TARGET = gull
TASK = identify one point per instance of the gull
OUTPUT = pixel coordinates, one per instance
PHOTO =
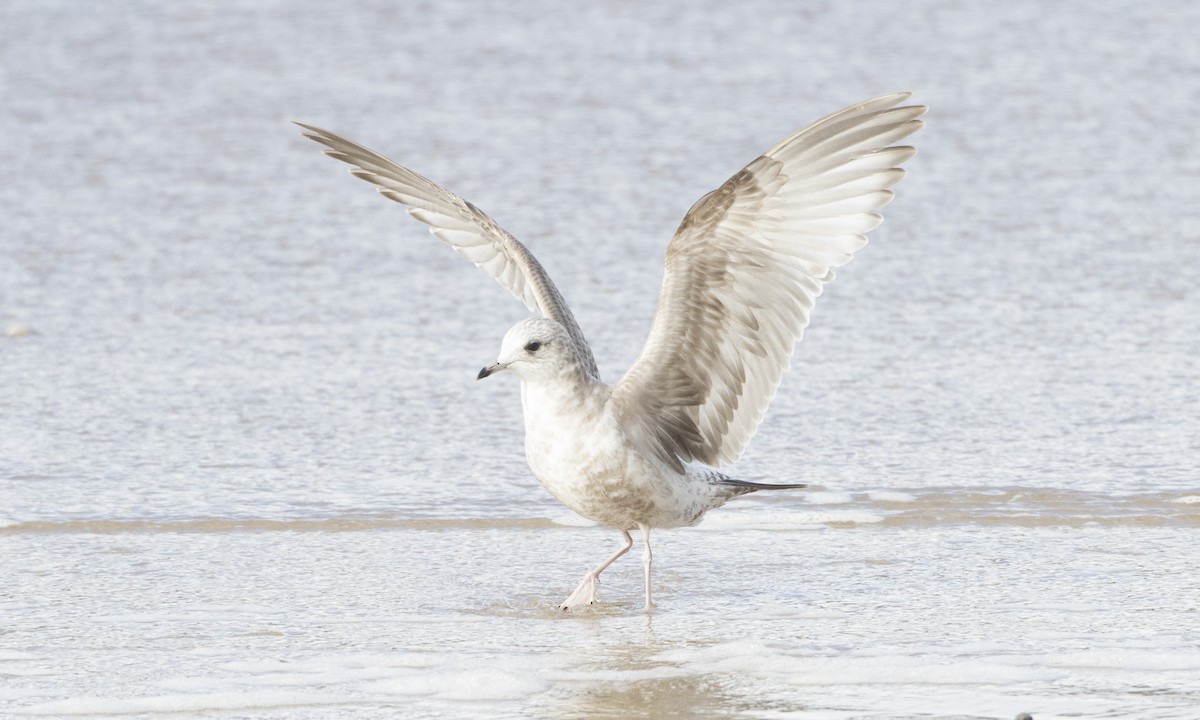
(741, 276)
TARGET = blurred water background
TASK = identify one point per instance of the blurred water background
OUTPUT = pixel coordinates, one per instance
(246, 471)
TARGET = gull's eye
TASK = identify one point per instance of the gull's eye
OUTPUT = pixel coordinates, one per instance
(533, 346)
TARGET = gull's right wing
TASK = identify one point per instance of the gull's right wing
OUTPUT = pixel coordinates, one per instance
(743, 272)
(465, 228)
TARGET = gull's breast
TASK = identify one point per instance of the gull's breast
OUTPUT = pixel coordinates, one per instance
(580, 455)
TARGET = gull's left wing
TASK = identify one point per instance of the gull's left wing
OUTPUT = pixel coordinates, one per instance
(465, 228)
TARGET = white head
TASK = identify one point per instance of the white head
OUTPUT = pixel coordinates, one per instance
(534, 349)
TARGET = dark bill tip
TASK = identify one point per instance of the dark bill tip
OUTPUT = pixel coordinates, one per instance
(483, 373)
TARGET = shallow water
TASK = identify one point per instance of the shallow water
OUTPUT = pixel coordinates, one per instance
(246, 471)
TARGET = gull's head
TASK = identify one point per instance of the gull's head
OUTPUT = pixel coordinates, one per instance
(534, 349)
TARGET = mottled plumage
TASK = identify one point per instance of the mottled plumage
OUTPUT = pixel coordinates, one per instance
(741, 276)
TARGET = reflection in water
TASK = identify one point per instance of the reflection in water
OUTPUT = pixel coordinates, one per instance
(697, 696)
(629, 680)
(632, 676)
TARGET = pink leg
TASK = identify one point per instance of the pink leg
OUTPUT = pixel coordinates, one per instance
(585, 594)
(647, 560)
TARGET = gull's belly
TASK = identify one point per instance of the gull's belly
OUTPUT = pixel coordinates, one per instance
(597, 474)
(577, 450)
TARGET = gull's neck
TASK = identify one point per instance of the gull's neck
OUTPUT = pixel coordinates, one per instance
(567, 391)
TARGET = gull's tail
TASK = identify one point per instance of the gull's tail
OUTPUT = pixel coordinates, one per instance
(752, 486)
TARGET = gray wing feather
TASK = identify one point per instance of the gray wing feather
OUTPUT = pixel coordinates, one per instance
(743, 272)
(465, 228)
